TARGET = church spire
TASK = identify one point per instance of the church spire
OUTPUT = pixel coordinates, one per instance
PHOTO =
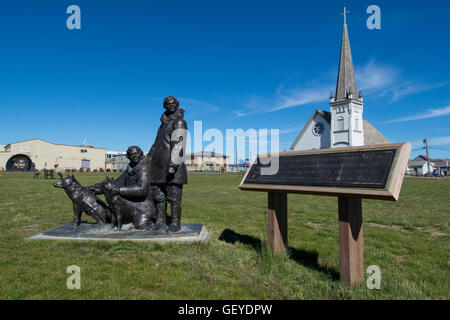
(346, 84)
(346, 107)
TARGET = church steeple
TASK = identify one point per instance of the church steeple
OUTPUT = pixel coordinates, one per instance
(346, 84)
(347, 126)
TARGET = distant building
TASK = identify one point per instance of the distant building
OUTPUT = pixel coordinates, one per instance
(419, 166)
(40, 154)
(206, 161)
(343, 126)
(116, 161)
(442, 167)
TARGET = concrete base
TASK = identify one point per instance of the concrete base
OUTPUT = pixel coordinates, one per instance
(95, 231)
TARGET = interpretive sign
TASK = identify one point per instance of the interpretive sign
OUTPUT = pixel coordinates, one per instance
(365, 172)
(354, 173)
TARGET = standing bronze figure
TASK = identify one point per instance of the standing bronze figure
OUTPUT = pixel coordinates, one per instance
(167, 167)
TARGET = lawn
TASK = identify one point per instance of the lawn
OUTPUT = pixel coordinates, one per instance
(408, 240)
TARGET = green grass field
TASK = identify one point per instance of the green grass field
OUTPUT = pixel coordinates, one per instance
(408, 240)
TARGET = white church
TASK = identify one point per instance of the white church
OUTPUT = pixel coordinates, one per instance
(343, 125)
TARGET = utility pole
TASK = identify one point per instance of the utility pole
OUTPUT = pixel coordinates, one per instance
(235, 154)
(428, 157)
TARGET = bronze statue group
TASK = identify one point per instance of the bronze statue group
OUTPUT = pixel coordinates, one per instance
(141, 193)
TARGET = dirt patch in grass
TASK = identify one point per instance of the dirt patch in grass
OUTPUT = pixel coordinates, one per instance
(393, 227)
(315, 225)
(439, 234)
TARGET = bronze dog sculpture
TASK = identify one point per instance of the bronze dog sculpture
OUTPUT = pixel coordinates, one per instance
(84, 200)
(122, 209)
(123, 213)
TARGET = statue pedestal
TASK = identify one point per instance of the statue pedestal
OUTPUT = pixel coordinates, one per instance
(95, 231)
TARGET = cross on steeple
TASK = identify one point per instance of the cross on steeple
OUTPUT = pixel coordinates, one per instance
(344, 14)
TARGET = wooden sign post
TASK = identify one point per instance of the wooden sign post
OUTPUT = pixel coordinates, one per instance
(373, 172)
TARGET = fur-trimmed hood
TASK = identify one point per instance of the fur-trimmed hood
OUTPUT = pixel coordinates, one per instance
(176, 115)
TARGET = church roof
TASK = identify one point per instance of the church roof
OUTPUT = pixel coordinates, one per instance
(346, 77)
(423, 158)
(325, 114)
(372, 135)
(412, 163)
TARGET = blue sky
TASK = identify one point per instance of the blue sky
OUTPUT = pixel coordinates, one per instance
(232, 64)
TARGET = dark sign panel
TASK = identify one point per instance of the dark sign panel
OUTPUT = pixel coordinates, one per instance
(358, 169)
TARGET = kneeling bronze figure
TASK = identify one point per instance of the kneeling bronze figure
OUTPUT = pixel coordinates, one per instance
(129, 196)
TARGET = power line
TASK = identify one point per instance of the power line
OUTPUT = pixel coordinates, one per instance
(437, 148)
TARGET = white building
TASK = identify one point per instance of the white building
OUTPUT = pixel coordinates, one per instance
(40, 154)
(419, 166)
(343, 125)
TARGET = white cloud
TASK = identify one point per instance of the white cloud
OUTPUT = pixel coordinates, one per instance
(439, 141)
(431, 113)
(285, 99)
(380, 79)
(301, 96)
(408, 88)
(290, 130)
(372, 77)
(239, 113)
